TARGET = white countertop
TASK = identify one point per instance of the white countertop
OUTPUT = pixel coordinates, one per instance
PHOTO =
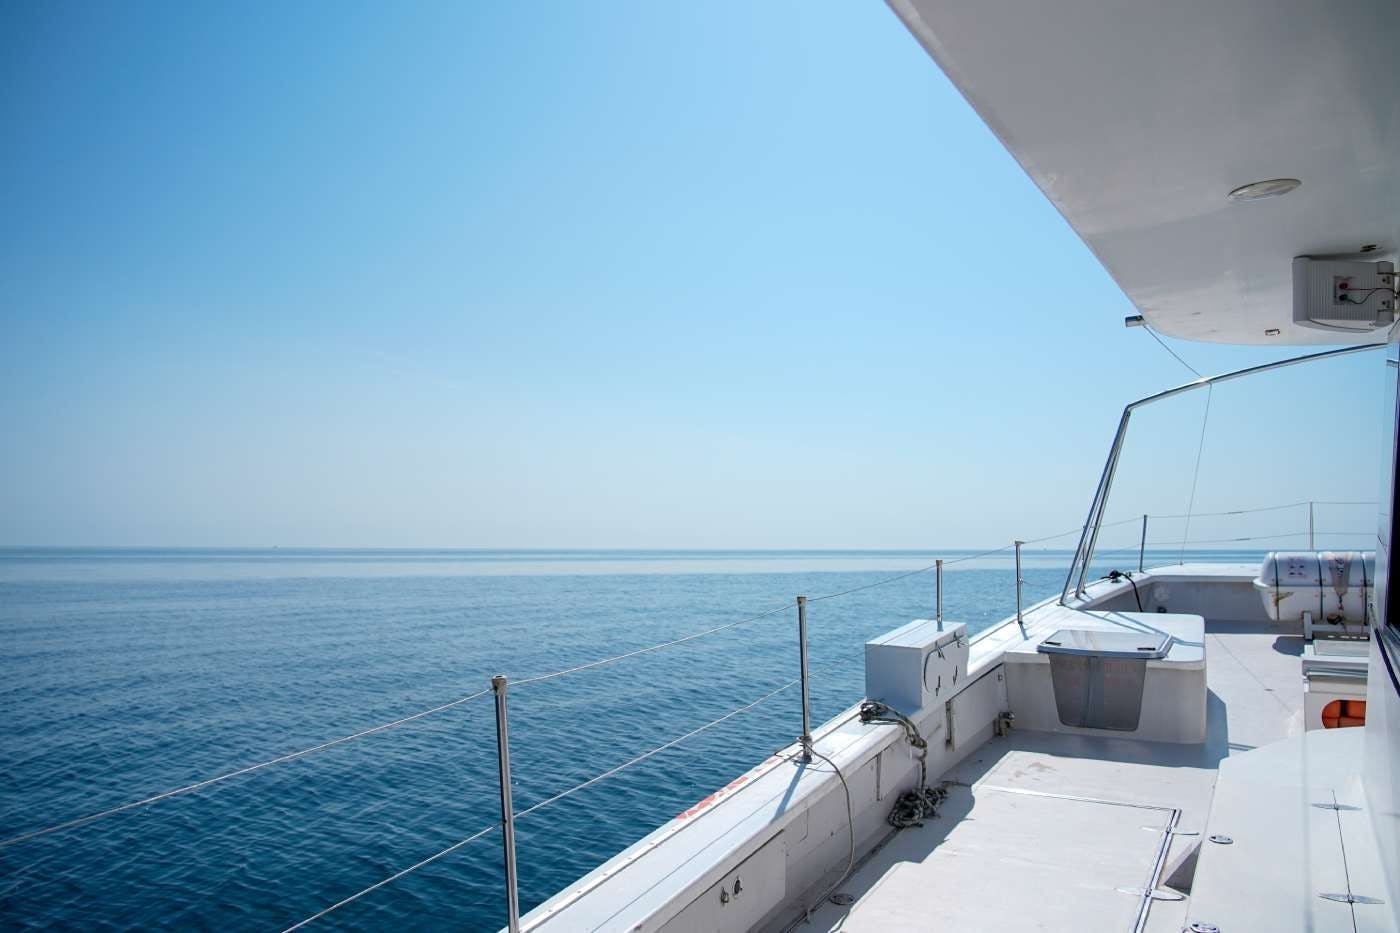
(1187, 633)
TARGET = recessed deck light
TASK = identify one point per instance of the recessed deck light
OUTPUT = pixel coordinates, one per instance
(1258, 190)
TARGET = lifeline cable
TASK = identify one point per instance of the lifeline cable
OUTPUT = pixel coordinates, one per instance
(666, 644)
(83, 820)
(1264, 508)
(947, 563)
(80, 821)
(660, 748)
(543, 803)
(1273, 537)
(392, 878)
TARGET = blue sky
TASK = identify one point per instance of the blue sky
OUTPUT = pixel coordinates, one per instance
(539, 275)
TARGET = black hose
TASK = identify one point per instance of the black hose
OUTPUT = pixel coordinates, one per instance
(1116, 575)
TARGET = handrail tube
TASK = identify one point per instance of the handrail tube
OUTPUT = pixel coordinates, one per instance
(1110, 471)
(1251, 370)
(1084, 535)
(1088, 539)
(1142, 545)
(1092, 518)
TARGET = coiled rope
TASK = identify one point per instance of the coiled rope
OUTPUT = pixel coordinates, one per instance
(921, 803)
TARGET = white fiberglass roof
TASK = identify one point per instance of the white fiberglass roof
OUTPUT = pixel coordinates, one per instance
(1138, 117)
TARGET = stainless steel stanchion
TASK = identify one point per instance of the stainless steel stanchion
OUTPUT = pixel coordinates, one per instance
(806, 698)
(1019, 581)
(1142, 546)
(498, 686)
(938, 592)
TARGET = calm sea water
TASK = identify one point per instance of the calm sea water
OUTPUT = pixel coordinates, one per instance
(129, 672)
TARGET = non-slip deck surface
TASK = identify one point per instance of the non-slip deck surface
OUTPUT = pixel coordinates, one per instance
(1002, 857)
(1089, 878)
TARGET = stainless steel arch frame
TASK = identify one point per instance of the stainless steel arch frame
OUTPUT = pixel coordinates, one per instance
(1084, 554)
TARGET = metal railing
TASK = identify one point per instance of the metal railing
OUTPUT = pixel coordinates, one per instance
(1084, 553)
(500, 689)
(1312, 533)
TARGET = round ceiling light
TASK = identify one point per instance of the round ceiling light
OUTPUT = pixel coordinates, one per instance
(1257, 191)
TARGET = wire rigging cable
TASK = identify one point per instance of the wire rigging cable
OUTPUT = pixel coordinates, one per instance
(208, 782)
(392, 878)
(198, 785)
(544, 803)
(1195, 475)
(665, 644)
(915, 811)
(1274, 537)
(189, 788)
(1176, 356)
(1264, 508)
(957, 560)
(540, 678)
(655, 751)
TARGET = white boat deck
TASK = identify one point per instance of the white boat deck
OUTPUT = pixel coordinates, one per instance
(1046, 828)
(1045, 831)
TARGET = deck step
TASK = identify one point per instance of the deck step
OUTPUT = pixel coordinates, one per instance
(1290, 844)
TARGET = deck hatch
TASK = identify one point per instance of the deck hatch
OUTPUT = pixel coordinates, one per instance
(1098, 677)
(1101, 644)
(1016, 859)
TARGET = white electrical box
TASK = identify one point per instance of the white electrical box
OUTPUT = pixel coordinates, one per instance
(1343, 296)
(916, 665)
